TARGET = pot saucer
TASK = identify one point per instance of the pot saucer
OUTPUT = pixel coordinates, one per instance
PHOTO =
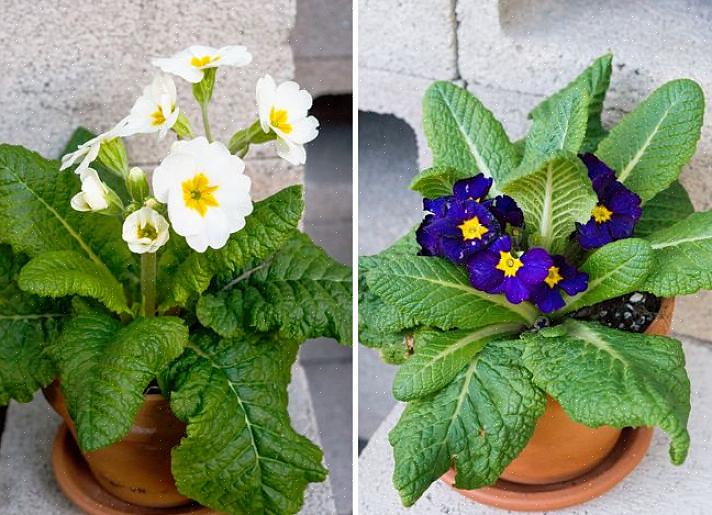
(78, 484)
(625, 456)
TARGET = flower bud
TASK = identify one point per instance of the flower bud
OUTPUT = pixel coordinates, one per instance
(96, 196)
(137, 184)
(112, 154)
(145, 231)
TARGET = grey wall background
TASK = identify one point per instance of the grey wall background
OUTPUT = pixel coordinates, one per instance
(511, 54)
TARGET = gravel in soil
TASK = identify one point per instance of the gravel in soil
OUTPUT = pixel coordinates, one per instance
(633, 312)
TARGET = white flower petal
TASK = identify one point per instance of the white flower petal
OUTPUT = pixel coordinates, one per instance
(234, 55)
(180, 65)
(265, 93)
(304, 130)
(79, 203)
(133, 231)
(291, 152)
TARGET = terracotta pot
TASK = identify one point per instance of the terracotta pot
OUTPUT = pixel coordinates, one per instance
(561, 449)
(136, 469)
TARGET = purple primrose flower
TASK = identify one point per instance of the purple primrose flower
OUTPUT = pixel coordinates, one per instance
(498, 270)
(561, 276)
(617, 211)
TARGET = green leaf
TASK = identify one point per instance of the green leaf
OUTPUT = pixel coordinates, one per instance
(683, 257)
(406, 245)
(553, 196)
(613, 270)
(104, 369)
(664, 209)
(36, 217)
(241, 454)
(559, 125)
(437, 293)
(27, 324)
(438, 181)
(603, 376)
(270, 225)
(464, 135)
(64, 273)
(651, 144)
(595, 80)
(439, 356)
(300, 292)
(479, 423)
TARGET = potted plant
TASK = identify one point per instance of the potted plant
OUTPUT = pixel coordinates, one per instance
(163, 316)
(515, 310)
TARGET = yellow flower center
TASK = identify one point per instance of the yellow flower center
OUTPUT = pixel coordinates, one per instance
(601, 213)
(199, 62)
(157, 117)
(508, 264)
(279, 119)
(554, 276)
(147, 231)
(472, 229)
(198, 194)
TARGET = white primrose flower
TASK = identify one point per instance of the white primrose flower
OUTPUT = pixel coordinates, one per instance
(155, 110)
(284, 110)
(190, 63)
(94, 195)
(90, 149)
(145, 231)
(208, 195)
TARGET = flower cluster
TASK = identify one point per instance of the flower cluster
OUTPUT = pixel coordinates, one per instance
(200, 186)
(479, 233)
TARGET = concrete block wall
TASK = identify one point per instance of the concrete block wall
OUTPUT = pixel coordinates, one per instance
(69, 63)
(512, 53)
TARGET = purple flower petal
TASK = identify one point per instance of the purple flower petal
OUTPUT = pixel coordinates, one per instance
(506, 211)
(474, 188)
(515, 290)
(547, 299)
(483, 272)
(437, 206)
(536, 263)
(428, 241)
(599, 173)
(592, 235)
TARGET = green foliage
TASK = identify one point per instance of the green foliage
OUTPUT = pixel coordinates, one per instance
(652, 143)
(559, 125)
(464, 135)
(595, 81)
(664, 209)
(36, 217)
(553, 196)
(439, 356)
(603, 376)
(104, 369)
(437, 182)
(271, 224)
(613, 270)
(437, 293)
(300, 292)
(241, 454)
(65, 272)
(683, 257)
(27, 324)
(480, 422)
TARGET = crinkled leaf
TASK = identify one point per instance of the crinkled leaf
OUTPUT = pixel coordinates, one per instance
(613, 270)
(603, 376)
(437, 293)
(463, 134)
(438, 181)
(683, 257)
(406, 245)
(439, 356)
(241, 454)
(300, 292)
(553, 196)
(270, 225)
(36, 217)
(595, 80)
(104, 369)
(27, 324)
(64, 273)
(651, 144)
(664, 209)
(479, 423)
(559, 125)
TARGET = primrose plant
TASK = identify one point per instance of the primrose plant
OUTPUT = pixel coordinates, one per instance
(497, 299)
(111, 282)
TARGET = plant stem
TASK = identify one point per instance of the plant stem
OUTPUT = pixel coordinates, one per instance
(148, 283)
(206, 122)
